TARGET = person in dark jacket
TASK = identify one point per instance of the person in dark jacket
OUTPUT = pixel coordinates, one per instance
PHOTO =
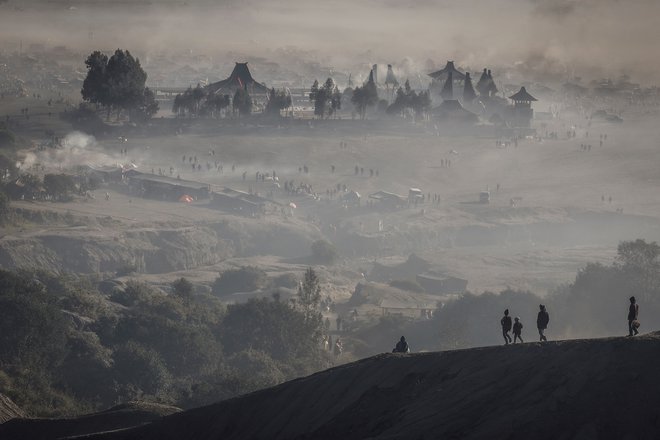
(517, 330)
(506, 327)
(542, 321)
(401, 346)
(633, 314)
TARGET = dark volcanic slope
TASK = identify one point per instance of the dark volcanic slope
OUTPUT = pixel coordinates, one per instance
(121, 416)
(584, 389)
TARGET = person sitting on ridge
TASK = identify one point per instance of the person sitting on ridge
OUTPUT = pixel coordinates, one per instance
(401, 346)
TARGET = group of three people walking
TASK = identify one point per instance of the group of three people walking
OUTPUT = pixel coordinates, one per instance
(542, 320)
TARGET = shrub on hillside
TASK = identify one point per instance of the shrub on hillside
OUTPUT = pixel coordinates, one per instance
(324, 252)
(288, 280)
(7, 138)
(4, 208)
(140, 370)
(245, 279)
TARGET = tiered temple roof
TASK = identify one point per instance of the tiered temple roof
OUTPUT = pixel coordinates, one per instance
(444, 72)
(522, 96)
(390, 79)
(240, 78)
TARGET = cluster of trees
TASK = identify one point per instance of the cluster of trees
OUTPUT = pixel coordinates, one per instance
(242, 103)
(118, 83)
(67, 348)
(200, 102)
(365, 96)
(408, 100)
(196, 102)
(326, 98)
(278, 100)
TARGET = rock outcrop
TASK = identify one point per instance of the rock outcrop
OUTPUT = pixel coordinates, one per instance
(8, 409)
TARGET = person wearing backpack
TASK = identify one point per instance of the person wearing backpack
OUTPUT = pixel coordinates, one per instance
(517, 330)
(401, 346)
(506, 327)
(542, 321)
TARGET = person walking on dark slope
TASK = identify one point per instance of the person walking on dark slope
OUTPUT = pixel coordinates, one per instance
(506, 327)
(517, 330)
(633, 314)
(542, 321)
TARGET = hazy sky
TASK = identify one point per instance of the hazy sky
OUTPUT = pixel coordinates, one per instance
(588, 37)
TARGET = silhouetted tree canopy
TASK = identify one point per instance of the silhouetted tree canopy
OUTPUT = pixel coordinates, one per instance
(325, 97)
(365, 96)
(242, 102)
(118, 83)
(277, 100)
(408, 99)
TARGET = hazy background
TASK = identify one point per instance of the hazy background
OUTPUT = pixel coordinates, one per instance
(560, 38)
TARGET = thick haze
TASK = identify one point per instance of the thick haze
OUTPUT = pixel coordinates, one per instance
(565, 37)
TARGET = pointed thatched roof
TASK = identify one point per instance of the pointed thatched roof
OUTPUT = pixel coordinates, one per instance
(449, 68)
(522, 96)
(468, 91)
(240, 78)
(390, 79)
(486, 85)
(448, 89)
(482, 84)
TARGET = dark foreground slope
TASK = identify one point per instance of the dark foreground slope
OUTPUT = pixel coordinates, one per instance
(119, 417)
(583, 389)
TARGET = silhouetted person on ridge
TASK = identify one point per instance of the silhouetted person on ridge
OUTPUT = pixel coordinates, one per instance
(633, 314)
(542, 321)
(517, 330)
(506, 327)
(401, 346)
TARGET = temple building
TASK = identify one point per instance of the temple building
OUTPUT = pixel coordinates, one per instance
(440, 78)
(469, 94)
(441, 75)
(390, 79)
(240, 78)
(447, 92)
(486, 85)
(521, 112)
